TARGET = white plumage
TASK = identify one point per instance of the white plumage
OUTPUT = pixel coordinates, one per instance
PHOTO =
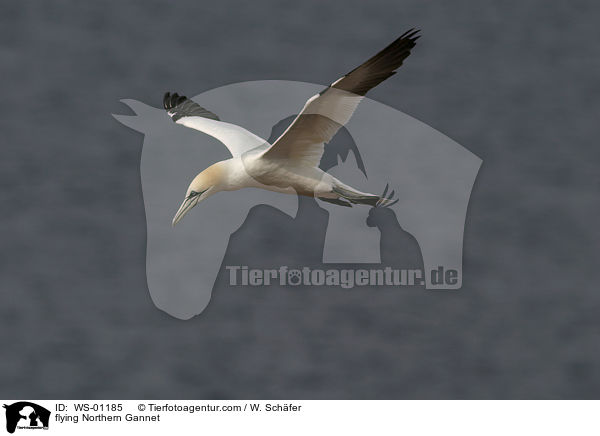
(290, 164)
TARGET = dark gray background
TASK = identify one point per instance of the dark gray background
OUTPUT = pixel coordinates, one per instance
(516, 82)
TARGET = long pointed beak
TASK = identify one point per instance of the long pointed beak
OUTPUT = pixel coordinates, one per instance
(185, 207)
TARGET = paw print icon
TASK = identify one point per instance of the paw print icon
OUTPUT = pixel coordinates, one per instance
(294, 277)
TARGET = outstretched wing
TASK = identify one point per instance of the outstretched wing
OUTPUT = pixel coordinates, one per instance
(190, 114)
(325, 113)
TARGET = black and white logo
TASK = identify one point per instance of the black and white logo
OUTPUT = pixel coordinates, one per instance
(26, 415)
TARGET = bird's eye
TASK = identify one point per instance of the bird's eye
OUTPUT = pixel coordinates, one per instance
(194, 194)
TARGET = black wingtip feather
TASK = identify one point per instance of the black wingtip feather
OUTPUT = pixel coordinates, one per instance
(380, 66)
(407, 32)
(170, 101)
(180, 106)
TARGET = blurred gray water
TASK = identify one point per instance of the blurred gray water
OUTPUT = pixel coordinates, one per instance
(516, 82)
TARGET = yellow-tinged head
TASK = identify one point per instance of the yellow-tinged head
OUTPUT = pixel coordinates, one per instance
(205, 184)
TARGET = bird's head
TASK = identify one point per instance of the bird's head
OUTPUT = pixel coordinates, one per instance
(205, 184)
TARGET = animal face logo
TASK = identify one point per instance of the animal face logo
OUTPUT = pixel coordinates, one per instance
(25, 414)
(431, 177)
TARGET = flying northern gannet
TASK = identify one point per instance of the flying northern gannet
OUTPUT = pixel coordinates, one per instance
(290, 164)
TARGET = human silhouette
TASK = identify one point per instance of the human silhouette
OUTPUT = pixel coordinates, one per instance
(300, 240)
(295, 240)
(33, 419)
(30, 410)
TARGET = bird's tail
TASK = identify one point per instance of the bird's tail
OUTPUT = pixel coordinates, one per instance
(357, 197)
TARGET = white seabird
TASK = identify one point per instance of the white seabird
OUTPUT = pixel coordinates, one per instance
(290, 164)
